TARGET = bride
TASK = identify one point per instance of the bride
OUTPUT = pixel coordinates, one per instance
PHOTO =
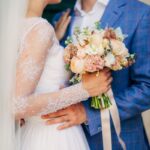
(40, 74)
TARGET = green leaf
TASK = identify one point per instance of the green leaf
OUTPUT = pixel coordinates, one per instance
(75, 79)
(86, 31)
(67, 66)
(98, 25)
(69, 40)
(77, 30)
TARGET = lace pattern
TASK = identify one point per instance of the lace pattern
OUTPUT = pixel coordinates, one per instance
(30, 68)
(39, 104)
(66, 98)
(38, 42)
(20, 103)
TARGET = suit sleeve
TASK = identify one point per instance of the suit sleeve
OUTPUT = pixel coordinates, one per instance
(135, 99)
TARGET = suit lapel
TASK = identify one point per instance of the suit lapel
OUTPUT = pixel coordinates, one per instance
(113, 12)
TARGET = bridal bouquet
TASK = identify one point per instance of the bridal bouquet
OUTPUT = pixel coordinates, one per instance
(94, 49)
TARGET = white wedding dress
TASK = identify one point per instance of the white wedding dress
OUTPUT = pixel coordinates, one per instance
(40, 73)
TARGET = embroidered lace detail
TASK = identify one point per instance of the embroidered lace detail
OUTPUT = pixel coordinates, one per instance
(65, 98)
(38, 42)
(39, 104)
(35, 24)
(20, 104)
(30, 68)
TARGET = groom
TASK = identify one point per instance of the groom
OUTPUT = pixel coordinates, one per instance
(131, 86)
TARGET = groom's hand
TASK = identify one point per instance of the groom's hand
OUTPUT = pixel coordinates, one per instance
(71, 116)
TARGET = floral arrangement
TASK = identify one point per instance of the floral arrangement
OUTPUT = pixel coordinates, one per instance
(93, 49)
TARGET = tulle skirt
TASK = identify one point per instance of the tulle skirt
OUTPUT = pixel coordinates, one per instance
(35, 135)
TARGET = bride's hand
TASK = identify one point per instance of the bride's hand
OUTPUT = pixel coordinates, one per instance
(62, 25)
(96, 85)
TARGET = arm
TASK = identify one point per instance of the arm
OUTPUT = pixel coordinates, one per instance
(29, 69)
(136, 98)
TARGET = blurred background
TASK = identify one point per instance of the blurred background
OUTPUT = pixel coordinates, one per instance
(50, 11)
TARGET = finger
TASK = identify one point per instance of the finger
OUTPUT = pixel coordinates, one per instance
(55, 114)
(107, 76)
(57, 120)
(109, 82)
(59, 22)
(65, 16)
(65, 126)
(109, 87)
(66, 23)
(108, 73)
(68, 12)
(106, 70)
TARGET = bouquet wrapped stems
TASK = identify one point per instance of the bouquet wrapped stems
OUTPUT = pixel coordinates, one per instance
(101, 102)
(98, 102)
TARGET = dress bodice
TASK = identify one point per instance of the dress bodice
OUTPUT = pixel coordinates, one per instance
(41, 72)
(54, 74)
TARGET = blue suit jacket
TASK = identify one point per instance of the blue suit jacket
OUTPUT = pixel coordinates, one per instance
(131, 86)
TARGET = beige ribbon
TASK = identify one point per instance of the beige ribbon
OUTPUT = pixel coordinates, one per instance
(105, 120)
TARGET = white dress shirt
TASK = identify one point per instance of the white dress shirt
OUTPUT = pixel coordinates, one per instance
(87, 19)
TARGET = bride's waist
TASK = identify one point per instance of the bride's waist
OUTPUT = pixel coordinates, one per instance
(35, 120)
(38, 123)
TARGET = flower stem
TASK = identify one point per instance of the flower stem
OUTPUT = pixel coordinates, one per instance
(101, 102)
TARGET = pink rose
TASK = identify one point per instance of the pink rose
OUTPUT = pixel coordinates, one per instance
(69, 53)
(94, 63)
(110, 34)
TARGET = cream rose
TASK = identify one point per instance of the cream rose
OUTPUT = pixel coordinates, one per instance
(81, 53)
(109, 60)
(77, 65)
(96, 39)
(119, 48)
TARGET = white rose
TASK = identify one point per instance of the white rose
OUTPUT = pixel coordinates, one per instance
(96, 43)
(77, 65)
(119, 34)
(96, 38)
(109, 60)
(105, 43)
(119, 47)
(101, 49)
(90, 50)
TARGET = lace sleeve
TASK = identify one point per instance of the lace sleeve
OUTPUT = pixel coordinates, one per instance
(30, 66)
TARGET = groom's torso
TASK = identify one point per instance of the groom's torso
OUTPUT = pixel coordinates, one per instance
(124, 14)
